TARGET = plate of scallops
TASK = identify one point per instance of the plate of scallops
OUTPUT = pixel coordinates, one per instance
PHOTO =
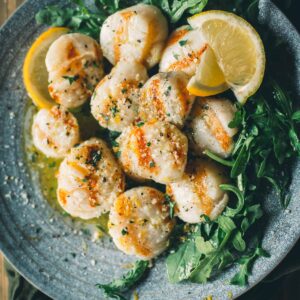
(149, 149)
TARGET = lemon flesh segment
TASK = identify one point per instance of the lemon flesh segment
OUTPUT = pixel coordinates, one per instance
(35, 74)
(238, 49)
(209, 79)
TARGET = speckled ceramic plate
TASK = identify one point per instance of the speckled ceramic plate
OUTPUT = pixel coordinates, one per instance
(44, 248)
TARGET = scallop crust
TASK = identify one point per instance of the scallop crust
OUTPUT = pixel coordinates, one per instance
(132, 34)
(116, 98)
(75, 65)
(89, 180)
(154, 150)
(208, 128)
(198, 192)
(139, 222)
(183, 51)
(55, 131)
(165, 97)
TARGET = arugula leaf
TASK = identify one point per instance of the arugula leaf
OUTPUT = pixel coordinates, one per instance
(180, 263)
(226, 224)
(206, 265)
(116, 287)
(251, 215)
(231, 212)
(296, 116)
(246, 262)
(238, 242)
(203, 246)
(218, 159)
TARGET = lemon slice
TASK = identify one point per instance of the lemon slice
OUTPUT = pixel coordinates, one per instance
(209, 79)
(238, 49)
(35, 74)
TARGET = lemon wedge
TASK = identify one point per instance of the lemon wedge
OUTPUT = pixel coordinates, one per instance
(35, 74)
(238, 49)
(209, 79)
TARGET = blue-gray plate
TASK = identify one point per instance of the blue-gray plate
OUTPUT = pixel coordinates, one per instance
(45, 249)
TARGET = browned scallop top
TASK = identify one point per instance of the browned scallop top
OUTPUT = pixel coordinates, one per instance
(214, 124)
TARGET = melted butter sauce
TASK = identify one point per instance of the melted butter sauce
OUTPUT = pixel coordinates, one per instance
(47, 168)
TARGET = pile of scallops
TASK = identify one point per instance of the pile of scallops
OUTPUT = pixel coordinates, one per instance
(159, 122)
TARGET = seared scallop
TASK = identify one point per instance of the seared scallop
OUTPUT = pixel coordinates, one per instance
(135, 33)
(139, 222)
(183, 51)
(55, 131)
(115, 100)
(74, 64)
(208, 128)
(89, 180)
(154, 150)
(164, 97)
(198, 192)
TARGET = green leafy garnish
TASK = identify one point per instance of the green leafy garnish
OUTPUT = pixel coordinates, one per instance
(115, 289)
(171, 205)
(94, 157)
(71, 79)
(176, 9)
(79, 18)
(182, 43)
(246, 264)
(114, 110)
(124, 231)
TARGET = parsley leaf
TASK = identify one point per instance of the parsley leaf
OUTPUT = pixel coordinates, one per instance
(71, 78)
(94, 157)
(171, 205)
(182, 43)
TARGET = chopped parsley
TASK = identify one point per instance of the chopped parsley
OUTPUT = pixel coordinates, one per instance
(167, 92)
(171, 205)
(114, 143)
(140, 124)
(148, 144)
(114, 110)
(71, 78)
(176, 56)
(52, 164)
(152, 164)
(95, 64)
(182, 43)
(124, 231)
(94, 157)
